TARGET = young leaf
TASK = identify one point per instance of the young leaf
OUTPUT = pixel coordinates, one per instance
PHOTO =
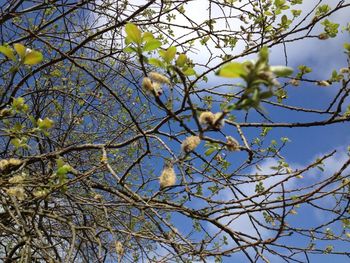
(281, 71)
(129, 50)
(156, 62)
(189, 72)
(8, 52)
(264, 54)
(232, 70)
(152, 45)
(147, 36)
(134, 33)
(169, 54)
(45, 124)
(33, 57)
(181, 60)
(21, 50)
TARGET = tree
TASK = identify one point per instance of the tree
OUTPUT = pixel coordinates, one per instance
(150, 131)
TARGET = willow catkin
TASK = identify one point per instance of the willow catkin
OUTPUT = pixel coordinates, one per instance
(232, 144)
(219, 120)
(190, 143)
(17, 179)
(119, 248)
(167, 177)
(17, 192)
(147, 84)
(151, 86)
(157, 77)
(157, 88)
(10, 164)
(207, 118)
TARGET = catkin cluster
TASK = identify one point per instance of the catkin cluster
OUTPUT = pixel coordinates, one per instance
(167, 177)
(7, 165)
(232, 144)
(119, 248)
(190, 143)
(17, 191)
(154, 82)
(212, 120)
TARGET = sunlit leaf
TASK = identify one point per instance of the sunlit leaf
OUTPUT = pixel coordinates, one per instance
(133, 32)
(281, 71)
(129, 50)
(152, 45)
(45, 123)
(33, 57)
(156, 62)
(20, 49)
(147, 36)
(232, 70)
(181, 60)
(169, 54)
(8, 52)
(189, 72)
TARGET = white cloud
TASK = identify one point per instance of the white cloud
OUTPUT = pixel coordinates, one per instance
(242, 223)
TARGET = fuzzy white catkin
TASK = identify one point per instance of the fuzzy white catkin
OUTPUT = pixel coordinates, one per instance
(190, 143)
(119, 249)
(159, 78)
(10, 163)
(218, 120)
(232, 144)
(17, 179)
(17, 192)
(206, 118)
(168, 177)
(157, 88)
(147, 84)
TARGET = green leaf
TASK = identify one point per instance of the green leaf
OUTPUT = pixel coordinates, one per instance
(33, 57)
(129, 50)
(63, 170)
(209, 151)
(232, 70)
(181, 60)
(169, 54)
(45, 123)
(133, 33)
(8, 52)
(147, 36)
(330, 28)
(281, 71)
(156, 62)
(152, 45)
(296, 13)
(20, 49)
(266, 95)
(347, 46)
(60, 162)
(18, 104)
(189, 72)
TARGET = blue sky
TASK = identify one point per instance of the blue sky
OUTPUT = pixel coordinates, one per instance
(306, 143)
